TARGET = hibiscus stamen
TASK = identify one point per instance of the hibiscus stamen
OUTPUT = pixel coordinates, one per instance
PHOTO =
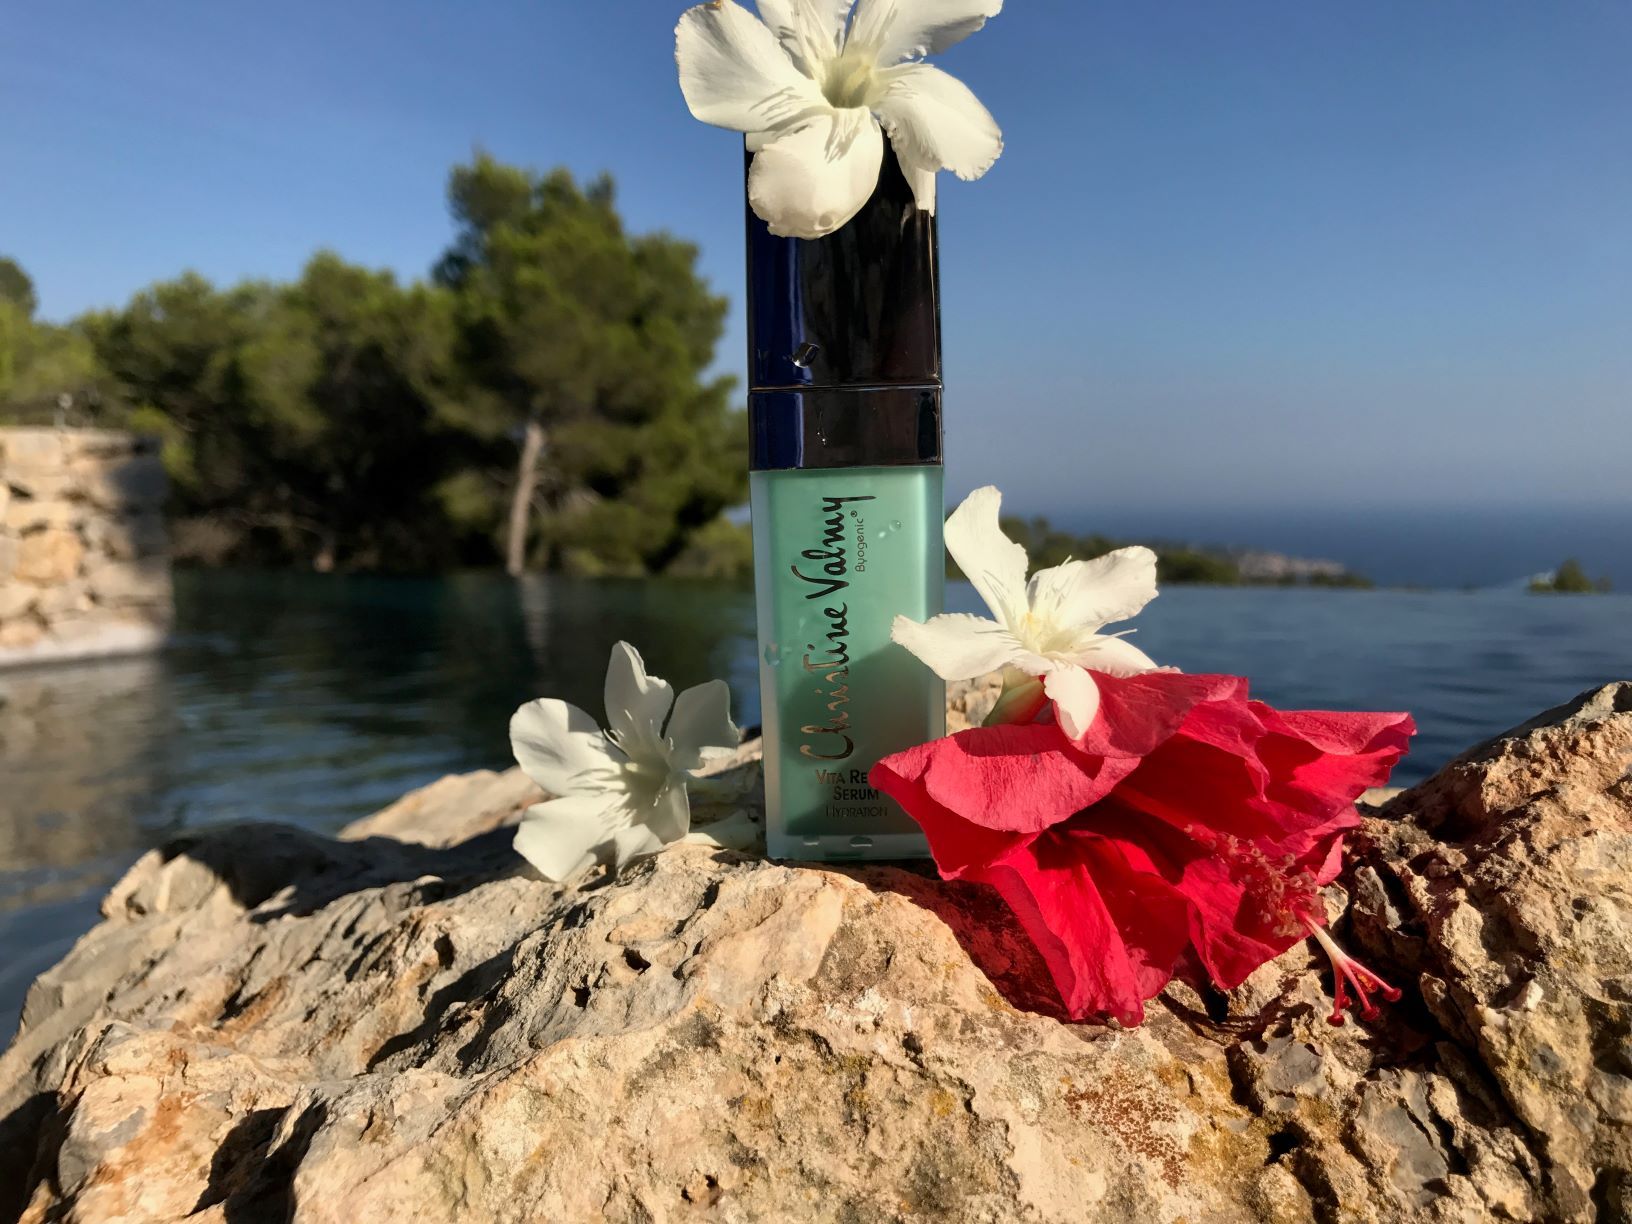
(1349, 974)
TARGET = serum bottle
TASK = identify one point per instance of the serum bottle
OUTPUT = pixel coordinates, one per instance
(844, 360)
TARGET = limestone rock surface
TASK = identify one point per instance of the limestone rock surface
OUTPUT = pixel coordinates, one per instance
(270, 1024)
(84, 567)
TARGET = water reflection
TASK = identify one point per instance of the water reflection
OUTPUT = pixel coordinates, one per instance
(82, 759)
(84, 755)
(315, 700)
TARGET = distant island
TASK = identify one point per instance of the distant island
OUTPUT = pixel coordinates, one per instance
(1570, 578)
(1184, 564)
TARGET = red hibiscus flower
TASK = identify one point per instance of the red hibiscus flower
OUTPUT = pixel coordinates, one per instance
(1187, 819)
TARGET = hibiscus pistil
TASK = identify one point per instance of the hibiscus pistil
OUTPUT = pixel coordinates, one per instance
(1349, 974)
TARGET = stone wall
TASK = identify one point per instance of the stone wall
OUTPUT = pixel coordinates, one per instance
(84, 560)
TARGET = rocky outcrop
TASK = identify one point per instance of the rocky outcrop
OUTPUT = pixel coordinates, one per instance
(270, 1024)
(84, 568)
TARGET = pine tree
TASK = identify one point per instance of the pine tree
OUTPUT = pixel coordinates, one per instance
(585, 350)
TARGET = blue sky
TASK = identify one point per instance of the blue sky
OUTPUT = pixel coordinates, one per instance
(1239, 254)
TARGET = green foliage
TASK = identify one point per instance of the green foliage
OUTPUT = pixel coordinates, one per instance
(597, 342)
(17, 288)
(1176, 564)
(13, 328)
(292, 414)
(347, 420)
(43, 368)
(1570, 579)
(1049, 546)
(722, 549)
(174, 352)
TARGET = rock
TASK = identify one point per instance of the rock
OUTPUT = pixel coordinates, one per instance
(44, 483)
(1379, 796)
(1506, 883)
(21, 634)
(32, 514)
(969, 701)
(127, 539)
(48, 557)
(452, 809)
(122, 482)
(273, 1024)
(123, 583)
(31, 447)
(80, 635)
(104, 443)
(82, 545)
(56, 602)
(16, 598)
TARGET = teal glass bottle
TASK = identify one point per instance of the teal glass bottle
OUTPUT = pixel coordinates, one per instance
(846, 492)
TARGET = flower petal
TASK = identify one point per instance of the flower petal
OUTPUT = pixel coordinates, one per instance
(1243, 910)
(1140, 712)
(1114, 656)
(1098, 592)
(701, 720)
(636, 705)
(1057, 894)
(912, 29)
(564, 836)
(956, 645)
(560, 747)
(921, 179)
(738, 831)
(1075, 697)
(808, 29)
(1152, 917)
(809, 181)
(980, 793)
(935, 122)
(735, 75)
(1206, 781)
(668, 819)
(1321, 760)
(994, 564)
(631, 844)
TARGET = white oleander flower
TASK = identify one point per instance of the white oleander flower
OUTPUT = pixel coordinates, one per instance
(1047, 629)
(620, 794)
(815, 87)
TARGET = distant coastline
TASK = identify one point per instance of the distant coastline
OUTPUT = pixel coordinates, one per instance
(1181, 564)
(1438, 548)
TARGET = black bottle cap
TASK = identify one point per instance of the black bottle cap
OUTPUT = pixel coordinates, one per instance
(844, 427)
(858, 308)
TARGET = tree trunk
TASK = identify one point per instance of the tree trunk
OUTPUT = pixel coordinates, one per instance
(521, 506)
